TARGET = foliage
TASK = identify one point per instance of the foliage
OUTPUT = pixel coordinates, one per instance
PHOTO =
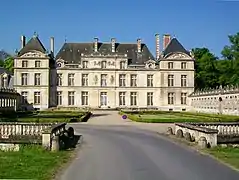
(9, 64)
(31, 162)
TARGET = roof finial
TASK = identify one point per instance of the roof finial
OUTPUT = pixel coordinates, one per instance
(65, 39)
(35, 34)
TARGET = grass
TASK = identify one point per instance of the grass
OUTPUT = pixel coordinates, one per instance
(177, 117)
(45, 117)
(31, 162)
(228, 155)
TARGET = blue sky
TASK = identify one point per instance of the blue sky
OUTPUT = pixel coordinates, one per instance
(195, 24)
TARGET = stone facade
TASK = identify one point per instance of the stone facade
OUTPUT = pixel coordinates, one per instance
(105, 75)
(222, 100)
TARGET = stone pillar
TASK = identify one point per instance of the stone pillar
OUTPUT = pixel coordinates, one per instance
(46, 140)
(55, 144)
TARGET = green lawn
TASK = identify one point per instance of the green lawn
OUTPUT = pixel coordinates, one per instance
(173, 117)
(31, 162)
(227, 155)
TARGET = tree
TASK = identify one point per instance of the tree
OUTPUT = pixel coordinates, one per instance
(1, 63)
(9, 63)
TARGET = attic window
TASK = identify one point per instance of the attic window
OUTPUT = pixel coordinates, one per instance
(63, 50)
(71, 50)
(78, 50)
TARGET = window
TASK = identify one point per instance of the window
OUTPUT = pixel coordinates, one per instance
(84, 64)
(150, 80)
(122, 98)
(59, 80)
(183, 98)
(24, 64)
(183, 80)
(37, 97)
(59, 98)
(84, 98)
(122, 80)
(24, 78)
(170, 98)
(133, 98)
(37, 64)
(170, 80)
(103, 79)
(37, 79)
(24, 95)
(133, 80)
(183, 65)
(170, 65)
(149, 98)
(84, 80)
(5, 82)
(103, 64)
(71, 79)
(71, 98)
(122, 64)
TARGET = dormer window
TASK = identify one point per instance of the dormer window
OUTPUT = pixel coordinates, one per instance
(24, 64)
(5, 83)
(103, 64)
(170, 65)
(84, 64)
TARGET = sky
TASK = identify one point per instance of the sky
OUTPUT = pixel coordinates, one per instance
(201, 23)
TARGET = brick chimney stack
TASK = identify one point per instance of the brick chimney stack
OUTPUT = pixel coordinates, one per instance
(52, 45)
(157, 46)
(96, 44)
(166, 40)
(113, 41)
(23, 41)
(139, 45)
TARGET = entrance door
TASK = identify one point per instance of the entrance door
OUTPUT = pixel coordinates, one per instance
(103, 99)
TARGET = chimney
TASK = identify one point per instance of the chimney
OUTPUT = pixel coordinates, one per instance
(23, 41)
(139, 45)
(113, 40)
(96, 44)
(166, 40)
(157, 46)
(52, 45)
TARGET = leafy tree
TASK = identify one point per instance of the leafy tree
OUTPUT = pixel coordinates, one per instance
(9, 63)
(1, 63)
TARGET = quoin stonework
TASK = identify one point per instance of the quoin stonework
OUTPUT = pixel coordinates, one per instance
(105, 74)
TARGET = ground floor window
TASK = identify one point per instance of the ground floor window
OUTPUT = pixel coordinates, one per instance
(103, 99)
(37, 97)
(71, 98)
(122, 98)
(59, 98)
(149, 98)
(84, 98)
(133, 98)
(183, 98)
(170, 98)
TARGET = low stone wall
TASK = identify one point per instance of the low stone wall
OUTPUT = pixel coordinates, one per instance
(197, 132)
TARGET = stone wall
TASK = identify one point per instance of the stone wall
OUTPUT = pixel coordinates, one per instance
(222, 100)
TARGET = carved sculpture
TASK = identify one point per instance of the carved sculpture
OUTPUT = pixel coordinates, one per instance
(112, 79)
(96, 79)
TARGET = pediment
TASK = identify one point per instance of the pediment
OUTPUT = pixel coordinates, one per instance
(34, 54)
(5, 75)
(60, 63)
(178, 56)
(150, 64)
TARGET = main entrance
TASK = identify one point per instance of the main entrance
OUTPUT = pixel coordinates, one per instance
(103, 99)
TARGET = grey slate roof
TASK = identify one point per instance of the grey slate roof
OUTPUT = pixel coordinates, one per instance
(71, 52)
(33, 44)
(173, 47)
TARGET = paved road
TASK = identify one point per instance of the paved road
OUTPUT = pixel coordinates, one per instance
(119, 152)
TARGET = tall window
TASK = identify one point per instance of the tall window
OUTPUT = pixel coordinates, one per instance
(183, 98)
(170, 80)
(37, 79)
(24, 95)
(84, 80)
(5, 82)
(59, 98)
(103, 64)
(103, 79)
(183, 80)
(84, 98)
(71, 98)
(59, 80)
(37, 64)
(170, 65)
(133, 98)
(170, 98)
(122, 64)
(24, 79)
(133, 80)
(149, 98)
(24, 64)
(150, 80)
(122, 98)
(37, 97)
(183, 65)
(122, 80)
(84, 64)
(71, 79)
